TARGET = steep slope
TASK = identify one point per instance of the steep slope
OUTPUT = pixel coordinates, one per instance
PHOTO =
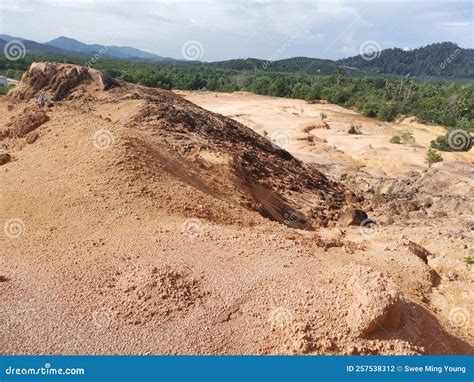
(262, 176)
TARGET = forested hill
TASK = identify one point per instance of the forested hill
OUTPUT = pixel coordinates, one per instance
(446, 60)
(439, 60)
(289, 65)
(436, 60)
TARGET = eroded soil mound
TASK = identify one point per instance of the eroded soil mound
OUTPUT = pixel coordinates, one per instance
(58, 81)
(26, 122)
(214, 154)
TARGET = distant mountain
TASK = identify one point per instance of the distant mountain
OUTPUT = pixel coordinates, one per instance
(6, 37)
(35, 48)
(440, 59)
(72, 45)
(436, 60)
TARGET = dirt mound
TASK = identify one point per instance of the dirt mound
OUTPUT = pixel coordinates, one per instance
(264, 177)
(214, 154)
(58, 81)
(27, 122)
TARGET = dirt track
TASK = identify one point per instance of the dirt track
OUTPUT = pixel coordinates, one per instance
(125, 234)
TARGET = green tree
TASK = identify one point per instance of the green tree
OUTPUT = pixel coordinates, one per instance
(433, 156)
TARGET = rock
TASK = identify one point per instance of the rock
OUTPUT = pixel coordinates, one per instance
(406, 206)
(376, 302)
(419, 251)
(5, 158)
(353, 216)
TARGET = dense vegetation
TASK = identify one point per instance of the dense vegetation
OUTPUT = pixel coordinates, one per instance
(440, 60)
(450, 104)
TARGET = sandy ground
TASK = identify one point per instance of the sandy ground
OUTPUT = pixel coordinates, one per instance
(115, 244)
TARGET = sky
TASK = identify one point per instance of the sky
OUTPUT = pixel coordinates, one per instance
(220, 30)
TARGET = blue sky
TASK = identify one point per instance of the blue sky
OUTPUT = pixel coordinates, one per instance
(238, 29)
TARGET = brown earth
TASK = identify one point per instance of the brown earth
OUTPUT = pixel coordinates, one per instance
(136, 222)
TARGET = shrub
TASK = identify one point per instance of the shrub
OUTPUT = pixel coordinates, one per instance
(387, 112)
(441, 143)
(395, 139)
(469, 259)
(407, 136)
(432, 156)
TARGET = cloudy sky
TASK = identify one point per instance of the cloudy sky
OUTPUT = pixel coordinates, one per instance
(239, 29)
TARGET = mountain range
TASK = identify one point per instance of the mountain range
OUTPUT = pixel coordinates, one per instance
(68, 46)
(444, 59)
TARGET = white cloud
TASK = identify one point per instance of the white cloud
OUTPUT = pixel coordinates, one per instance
(327, 29)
